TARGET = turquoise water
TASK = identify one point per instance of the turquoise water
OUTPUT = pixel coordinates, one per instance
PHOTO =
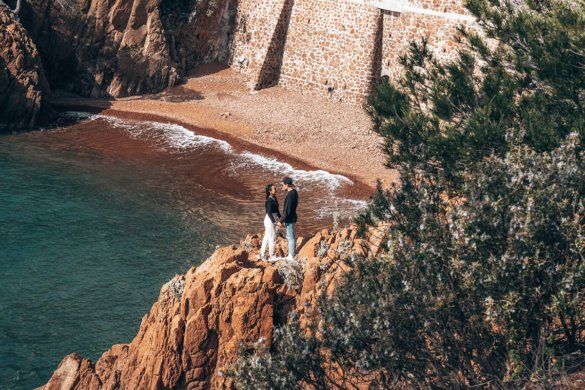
(96, 216)
(81, 258)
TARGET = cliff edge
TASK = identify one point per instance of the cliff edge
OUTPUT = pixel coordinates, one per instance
(23, 87)
(202, 318)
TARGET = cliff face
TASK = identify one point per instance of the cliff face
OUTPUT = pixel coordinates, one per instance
(23, 88)
(201, 318)
(115, 48)
(336, 49)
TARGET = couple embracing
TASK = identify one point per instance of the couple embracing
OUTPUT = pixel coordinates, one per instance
(274, 220)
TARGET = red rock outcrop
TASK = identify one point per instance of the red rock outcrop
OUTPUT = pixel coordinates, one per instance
(23, 88)
(115, 48)
(203, 317)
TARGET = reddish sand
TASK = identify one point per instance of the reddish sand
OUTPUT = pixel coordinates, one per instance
(302, 129)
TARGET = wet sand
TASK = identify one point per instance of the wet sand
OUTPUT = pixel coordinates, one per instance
(306, 131)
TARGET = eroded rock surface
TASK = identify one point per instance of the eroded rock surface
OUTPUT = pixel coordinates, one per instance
(23, 88)
(116, 48)
(202, 318)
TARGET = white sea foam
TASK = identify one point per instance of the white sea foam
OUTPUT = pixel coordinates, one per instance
(342, 207)
(332, 180)
(181, 138)
(178, 137)
(175, 136)
(112, 120)
(79, 115)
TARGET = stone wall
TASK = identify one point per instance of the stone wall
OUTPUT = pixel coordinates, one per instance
(337, 48)
(259, 36)
(332, 49)
(436, 21)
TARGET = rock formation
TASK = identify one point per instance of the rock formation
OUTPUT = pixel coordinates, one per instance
(23, 88)
(336, 49)
(203, 317)
(100, 48)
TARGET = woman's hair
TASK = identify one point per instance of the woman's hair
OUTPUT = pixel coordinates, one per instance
(268, 188)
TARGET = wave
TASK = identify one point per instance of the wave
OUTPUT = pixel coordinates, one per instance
(178, 137)
(182, 138)
(333, 180)
(344, 208)
(175, 136)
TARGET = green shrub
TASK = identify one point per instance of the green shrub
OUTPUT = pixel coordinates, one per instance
(482, 282)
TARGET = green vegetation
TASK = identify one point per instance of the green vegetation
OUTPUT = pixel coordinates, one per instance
(483, 279)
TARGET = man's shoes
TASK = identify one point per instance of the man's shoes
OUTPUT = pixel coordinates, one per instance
(272, 259)
(290, 258)
(261, 257)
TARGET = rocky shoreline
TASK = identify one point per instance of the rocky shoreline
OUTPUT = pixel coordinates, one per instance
(302, 129)
(202, 318)
(100, 53)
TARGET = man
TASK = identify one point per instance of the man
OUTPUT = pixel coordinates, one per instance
(289, 214)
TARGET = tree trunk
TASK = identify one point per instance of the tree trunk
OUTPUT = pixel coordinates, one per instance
(18, 7)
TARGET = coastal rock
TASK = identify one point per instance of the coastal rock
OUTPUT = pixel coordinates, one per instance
(204, 317)
(74, 372)
(23, 88)
(103, 48)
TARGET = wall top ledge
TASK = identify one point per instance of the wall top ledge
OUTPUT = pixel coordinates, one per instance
(390, 5)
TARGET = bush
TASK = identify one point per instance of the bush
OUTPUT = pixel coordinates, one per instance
(483, 278)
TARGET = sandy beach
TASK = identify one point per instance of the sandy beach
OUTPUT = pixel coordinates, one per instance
(307, 131)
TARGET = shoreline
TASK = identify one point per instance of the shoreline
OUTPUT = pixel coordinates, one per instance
(358, 189)
(308, 132)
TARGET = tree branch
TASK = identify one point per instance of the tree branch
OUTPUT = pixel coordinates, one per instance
(18, 7)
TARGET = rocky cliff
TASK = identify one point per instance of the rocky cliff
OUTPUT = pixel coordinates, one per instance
(115, 48)
(203, 317)
(23, 87)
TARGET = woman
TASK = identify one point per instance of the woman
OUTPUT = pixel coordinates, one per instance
(270, 220)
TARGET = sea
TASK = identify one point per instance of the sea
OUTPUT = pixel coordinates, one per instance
(98, 211)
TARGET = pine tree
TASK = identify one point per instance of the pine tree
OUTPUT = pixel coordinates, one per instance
(518, 82)
(483, 279)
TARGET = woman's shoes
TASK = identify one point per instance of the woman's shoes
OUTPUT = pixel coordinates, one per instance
(273, 259)
(270, 259)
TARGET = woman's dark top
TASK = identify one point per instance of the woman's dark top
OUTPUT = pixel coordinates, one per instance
(272, 209)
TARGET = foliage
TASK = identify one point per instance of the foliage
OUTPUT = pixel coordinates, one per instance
(297, 360)
(483, 279)
(524, 86)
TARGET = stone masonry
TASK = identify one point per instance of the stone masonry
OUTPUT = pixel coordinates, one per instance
(337, 48)
(259, 37)
(435, 21)
(332, 49)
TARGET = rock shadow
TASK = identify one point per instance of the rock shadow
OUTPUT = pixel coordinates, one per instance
(377, 55)
(63, 101)
(207, 69)
(270, 72)
(19, 111)
(176, 94)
